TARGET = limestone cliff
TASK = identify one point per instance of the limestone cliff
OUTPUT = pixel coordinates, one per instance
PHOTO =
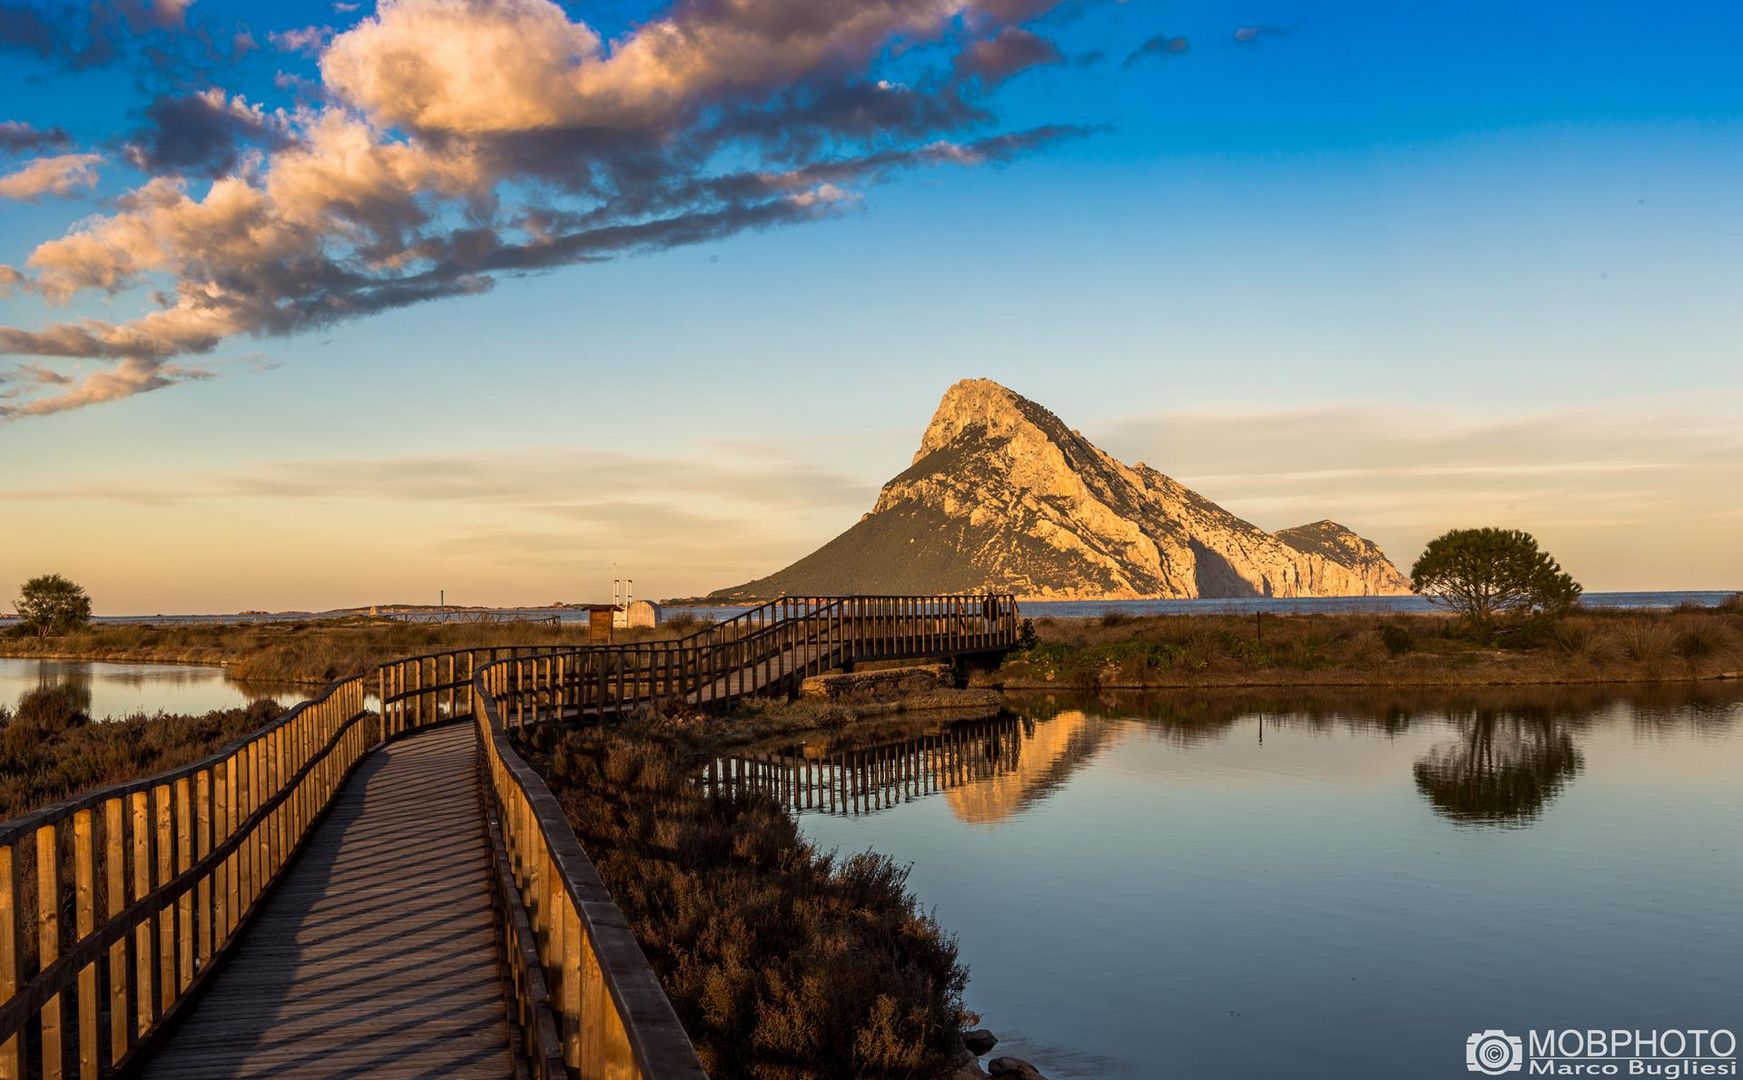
(1002, 495)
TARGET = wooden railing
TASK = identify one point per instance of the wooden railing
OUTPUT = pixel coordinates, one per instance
(581, 993)
(769, 649)
(115, 906)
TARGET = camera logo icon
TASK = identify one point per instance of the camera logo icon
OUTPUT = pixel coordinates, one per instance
(1493, 1053)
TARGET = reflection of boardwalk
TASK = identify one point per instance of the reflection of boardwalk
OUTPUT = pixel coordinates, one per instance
(986, 769)
(366, 960)
(867, 779)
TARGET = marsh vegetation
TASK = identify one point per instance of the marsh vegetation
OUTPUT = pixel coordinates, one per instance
(314, 651)
(51, 749)
(1596, 645)
(784, 961)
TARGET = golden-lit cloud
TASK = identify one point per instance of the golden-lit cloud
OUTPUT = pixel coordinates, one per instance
(457, 141)
(62, 174)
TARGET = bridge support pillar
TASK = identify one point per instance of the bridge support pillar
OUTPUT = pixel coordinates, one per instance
(964, 664)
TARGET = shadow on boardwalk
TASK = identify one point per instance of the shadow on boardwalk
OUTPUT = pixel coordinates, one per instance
(376, 956)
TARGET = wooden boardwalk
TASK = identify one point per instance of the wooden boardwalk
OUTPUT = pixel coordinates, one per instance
(376, 955)
(320, 898)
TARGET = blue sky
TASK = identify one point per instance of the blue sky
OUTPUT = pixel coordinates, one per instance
(1410, 269)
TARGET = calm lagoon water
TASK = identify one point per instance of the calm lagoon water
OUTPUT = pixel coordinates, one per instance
(108, 689)
(1323, 886)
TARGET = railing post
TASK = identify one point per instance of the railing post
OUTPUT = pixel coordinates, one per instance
(48, 944)
(166, 918)
(84, 923)
(115, 879)
(11, 959)
(232, 822)
(184, 830)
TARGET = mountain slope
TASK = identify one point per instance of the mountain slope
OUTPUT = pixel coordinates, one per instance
(1002, 495)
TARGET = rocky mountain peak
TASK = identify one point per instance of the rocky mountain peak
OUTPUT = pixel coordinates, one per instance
(979, 405)
(1003, 495)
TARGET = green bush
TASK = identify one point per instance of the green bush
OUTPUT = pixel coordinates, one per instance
(1397, 639)
(50, 604)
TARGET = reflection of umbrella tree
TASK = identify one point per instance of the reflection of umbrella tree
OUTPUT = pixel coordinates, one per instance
(72, 682)
(1501, 770)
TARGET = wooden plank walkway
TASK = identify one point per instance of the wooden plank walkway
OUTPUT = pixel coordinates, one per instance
(376, 955)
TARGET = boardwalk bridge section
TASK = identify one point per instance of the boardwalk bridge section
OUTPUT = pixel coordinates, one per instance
(390, 891)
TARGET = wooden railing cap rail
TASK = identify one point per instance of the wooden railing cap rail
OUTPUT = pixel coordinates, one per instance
(87, 949)
(16, 829)
(661, 1046)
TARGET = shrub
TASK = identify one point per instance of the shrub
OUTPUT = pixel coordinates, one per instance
(1644, 640)
(50, 750)
(1580, 641)
(1026, 636)
(686, 624)
(1397, 639)
(1698, 641)
(1529, 631)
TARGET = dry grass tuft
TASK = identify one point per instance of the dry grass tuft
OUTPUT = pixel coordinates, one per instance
(1644, 640)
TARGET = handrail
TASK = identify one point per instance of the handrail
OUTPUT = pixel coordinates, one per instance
(811, 634)
(591, 1002)
(177, 863)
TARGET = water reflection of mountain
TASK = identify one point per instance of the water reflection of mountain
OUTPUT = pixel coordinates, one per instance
(1051, 750)
(1516, 747)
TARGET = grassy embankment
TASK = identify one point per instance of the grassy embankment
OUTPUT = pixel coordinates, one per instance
(783, 962)
(313, 652)
(1588, 646)
(50, 750)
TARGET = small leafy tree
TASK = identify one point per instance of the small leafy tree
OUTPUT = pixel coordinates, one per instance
(1482, 573)
(51, 604)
